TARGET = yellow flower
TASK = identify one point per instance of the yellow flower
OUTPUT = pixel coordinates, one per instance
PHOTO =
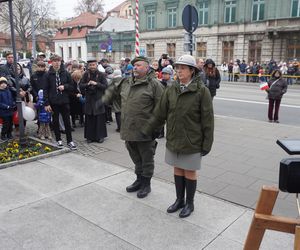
(47, 149)
(38, 144)
(21, 156)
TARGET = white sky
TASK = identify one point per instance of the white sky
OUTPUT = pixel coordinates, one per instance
(65, 8)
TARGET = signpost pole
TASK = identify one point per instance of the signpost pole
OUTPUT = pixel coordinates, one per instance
(22, 139)
(190, 24)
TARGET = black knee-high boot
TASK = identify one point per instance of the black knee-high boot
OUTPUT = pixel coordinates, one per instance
(180, 187)
(190, 186)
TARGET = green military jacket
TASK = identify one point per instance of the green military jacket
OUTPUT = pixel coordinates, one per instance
(138, 100)
(189, 116)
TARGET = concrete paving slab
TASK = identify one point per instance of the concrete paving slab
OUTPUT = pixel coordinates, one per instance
(14, 194)
(210, 186)
(239, 167)
(236, 179)
(6, 242)
(133, 221)
(46, 225)
(224, 244)
(286, 208)
(272, 240)
(123, 161)
(211, 171)
(238, 195)
(44, 179)
(83, 167)
(207, 213)
(167, 175)
(257, 186)
(263, 174)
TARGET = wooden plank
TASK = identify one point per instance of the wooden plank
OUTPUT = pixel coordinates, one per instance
(276, 223)
(297, 239)
(265, 205)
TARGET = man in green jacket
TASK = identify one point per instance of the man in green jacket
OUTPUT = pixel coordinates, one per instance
(139, 95)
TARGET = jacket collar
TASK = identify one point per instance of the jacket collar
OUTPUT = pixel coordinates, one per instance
(150, 75)
(193, 86)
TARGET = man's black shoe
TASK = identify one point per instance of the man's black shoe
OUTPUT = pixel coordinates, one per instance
(144, 191)
(135, 186)
(145, 187)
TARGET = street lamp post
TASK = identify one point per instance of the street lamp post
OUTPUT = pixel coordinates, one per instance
(33, 30)
(22, 138)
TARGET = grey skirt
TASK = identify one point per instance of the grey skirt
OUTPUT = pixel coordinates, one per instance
(184, 161)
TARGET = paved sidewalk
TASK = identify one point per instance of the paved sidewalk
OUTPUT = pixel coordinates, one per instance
(73, 201)
(244, 157)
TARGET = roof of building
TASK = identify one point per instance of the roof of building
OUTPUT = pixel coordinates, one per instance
(75, 33)
(78, 27)
(116, 24)
(84, 19)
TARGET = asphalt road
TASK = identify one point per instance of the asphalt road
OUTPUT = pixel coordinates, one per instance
(248, 101)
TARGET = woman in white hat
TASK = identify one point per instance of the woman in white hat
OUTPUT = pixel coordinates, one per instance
(187, 108)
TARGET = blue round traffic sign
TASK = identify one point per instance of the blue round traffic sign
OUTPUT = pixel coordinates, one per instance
(190, 18)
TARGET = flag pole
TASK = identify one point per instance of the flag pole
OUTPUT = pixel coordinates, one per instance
(137, 35)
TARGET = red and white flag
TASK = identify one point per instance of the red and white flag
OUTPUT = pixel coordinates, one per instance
(263, 86)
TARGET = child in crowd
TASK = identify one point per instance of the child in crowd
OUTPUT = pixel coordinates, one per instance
(44, 118)
(7, 107)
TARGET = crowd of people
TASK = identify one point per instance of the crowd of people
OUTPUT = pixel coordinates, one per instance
(256, 71)
(144, 96)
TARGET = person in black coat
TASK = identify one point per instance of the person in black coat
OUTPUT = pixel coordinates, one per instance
(76, 99)
(56, 96)
(37, 80)
(212, 77)
(7, 70)
(92, 86)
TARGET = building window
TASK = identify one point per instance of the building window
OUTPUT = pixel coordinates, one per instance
(230, 11)
(258, 10)
(150, 50)
(172, 17)
(254, 51)
(171, 48)
(293, 48)
(127, 50)
(203, 12)
(201, 50)
(69, 31)
(150, 19)
(228, 48)
(70, 52)
(79, 51)
(295, 8)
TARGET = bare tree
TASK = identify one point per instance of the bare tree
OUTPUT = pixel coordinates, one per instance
(41, 9)
(92, 6)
